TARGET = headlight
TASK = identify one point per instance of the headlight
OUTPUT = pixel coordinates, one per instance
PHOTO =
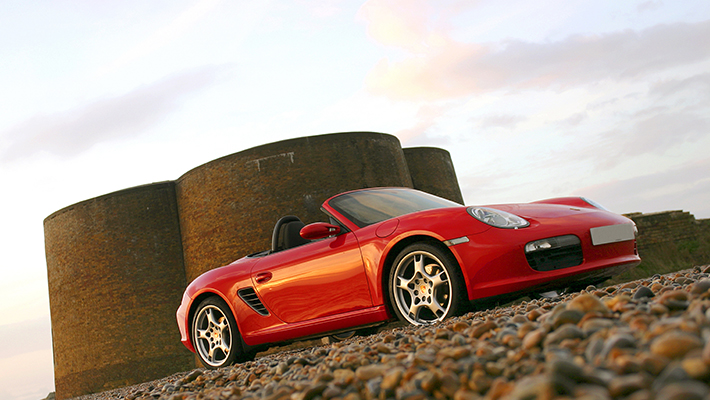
(497, 218)
(594, 204)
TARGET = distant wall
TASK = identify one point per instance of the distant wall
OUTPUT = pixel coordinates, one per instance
(667, 227)
(116, 276)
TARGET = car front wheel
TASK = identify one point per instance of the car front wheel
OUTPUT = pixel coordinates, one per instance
(426, 285)
(215, 334)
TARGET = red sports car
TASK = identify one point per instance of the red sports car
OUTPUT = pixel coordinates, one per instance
(397, 253)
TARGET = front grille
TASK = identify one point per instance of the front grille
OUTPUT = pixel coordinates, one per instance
(250, 297)
(554, 253)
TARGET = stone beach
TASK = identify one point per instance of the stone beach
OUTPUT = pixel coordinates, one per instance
(646, 339)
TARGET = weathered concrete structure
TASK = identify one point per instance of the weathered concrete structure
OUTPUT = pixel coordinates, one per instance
(228, 207)
(116, 275)
(432, 171)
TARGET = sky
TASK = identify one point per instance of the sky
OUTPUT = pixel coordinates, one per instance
(604, 99)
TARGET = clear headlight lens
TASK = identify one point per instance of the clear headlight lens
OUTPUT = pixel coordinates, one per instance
(594, 204)
(497, 218)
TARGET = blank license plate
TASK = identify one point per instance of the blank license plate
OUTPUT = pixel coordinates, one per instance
(612, 234)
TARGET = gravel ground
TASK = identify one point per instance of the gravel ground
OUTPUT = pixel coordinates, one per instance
(647, 339)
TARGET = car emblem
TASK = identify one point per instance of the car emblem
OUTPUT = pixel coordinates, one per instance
(423, 288)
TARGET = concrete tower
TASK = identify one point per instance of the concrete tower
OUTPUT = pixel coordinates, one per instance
(228, 207)
(116, 275)
(432, 171)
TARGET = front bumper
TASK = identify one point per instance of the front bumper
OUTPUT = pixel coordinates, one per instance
(496, 263)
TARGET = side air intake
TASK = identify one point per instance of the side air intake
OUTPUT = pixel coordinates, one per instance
(250, 297)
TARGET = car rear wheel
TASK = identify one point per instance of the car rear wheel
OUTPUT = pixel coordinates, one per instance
(215, 334)
(426, 285)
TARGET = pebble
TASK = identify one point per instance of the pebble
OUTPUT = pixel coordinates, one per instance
(647, 339)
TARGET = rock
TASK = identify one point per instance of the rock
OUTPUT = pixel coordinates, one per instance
(479, 330)
(368, 372)
(533, 339)
(587, 303)
(675, 344)
(700, 287)
(628, 384)
(643, 292)
(392, 378)
(692, 390)
(567, 331)
(567, 317)
(618, 341)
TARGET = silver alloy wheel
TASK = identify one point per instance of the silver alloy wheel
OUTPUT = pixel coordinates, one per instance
(422, 288)
(213, 335)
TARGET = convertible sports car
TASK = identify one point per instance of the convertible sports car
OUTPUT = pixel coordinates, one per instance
(397, 253)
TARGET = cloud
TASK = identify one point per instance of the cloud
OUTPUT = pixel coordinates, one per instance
(74, 131)
(698, 83)
(168, 33)
(648, 6)
(686, 187)
(427, 117)
(400, 23)
(439, 67)
(505, 121)
(660, 130)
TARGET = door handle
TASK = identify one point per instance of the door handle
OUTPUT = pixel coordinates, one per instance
(263, 277)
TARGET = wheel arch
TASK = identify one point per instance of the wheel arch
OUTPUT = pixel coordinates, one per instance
(193, 309)
(401, 245)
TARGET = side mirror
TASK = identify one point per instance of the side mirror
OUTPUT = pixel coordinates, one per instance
(319, 230)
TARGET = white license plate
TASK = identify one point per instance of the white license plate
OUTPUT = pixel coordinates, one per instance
(612, 234)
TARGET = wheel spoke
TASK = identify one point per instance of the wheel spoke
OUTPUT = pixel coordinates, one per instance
(414, 310)
(436, 308)
(211, 318)
(202, 334)
(224, 346)
(403, 283)
(439, 279)
(419, 265)
(222, 325)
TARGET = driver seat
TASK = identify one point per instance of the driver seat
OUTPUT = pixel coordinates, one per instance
(287, 234)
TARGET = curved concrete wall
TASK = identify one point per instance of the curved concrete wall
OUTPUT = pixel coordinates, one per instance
(228, 207)
(116, 276)
(432, 171)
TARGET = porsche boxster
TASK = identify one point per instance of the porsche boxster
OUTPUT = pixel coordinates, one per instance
(397, 253)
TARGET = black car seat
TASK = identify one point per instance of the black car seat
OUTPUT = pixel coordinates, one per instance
(287, 234)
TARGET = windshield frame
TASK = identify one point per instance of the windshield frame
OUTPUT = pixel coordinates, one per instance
(370, 206)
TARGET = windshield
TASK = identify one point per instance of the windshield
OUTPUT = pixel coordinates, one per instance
(368, 207)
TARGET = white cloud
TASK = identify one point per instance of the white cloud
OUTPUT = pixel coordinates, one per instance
(166, 34)
(451, 69)
(129, 115)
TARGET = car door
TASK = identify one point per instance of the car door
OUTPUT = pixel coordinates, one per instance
(318, 279)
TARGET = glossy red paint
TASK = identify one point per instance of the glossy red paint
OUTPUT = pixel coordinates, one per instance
(340, 282)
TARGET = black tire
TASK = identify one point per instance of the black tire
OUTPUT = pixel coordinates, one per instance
(425, 285)
(215, 335)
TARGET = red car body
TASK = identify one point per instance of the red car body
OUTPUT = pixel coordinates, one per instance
(340, 282)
